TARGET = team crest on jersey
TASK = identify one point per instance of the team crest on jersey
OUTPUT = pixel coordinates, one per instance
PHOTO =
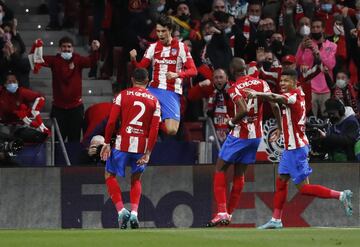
(173, 51)
(128, 130)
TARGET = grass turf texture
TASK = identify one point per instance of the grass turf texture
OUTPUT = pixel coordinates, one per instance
(308, 237)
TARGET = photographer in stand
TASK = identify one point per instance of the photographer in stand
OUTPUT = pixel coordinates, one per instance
(340, 138)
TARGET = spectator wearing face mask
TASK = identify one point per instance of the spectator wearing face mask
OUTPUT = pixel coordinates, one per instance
(295, 33)
(343, 90)
(315, 50)
(245, 32)
(326, 12)
(20, 106)
(219, 50)
(66, 68)
(189, 28)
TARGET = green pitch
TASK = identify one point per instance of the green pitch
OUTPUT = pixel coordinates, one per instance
(308, 237)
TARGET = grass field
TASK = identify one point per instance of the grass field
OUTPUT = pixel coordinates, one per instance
(308, 237)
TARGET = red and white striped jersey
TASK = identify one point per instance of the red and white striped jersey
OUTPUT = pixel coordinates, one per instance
(294, 119)
(139, 114)
(173, 58)
(249, 126)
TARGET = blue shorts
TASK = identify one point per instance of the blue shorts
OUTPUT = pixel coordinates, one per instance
(169, 103)
(118, 161)
(294, 162)
(239, 151)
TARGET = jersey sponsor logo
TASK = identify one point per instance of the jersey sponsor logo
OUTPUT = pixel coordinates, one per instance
(248, 83)
(132, 130)
(140, 94)
(165, 61)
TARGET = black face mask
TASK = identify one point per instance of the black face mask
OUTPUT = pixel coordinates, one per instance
(266, 65)
(276, 46)
(184, 17)
(262, 35)
(334, 119)
(316, 36)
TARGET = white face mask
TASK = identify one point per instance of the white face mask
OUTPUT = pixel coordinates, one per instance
(304, 30)
(254, 18)
(207, 38)
(66, 55)
(338, 30)
(341, 83)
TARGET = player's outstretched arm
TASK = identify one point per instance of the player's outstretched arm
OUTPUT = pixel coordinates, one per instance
(270, 97)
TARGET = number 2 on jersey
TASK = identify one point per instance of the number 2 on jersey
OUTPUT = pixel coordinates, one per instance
(135, 120)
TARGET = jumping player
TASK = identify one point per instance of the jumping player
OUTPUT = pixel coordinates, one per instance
(293, 163)
(139, 114)
(240, 146)
(171, 62)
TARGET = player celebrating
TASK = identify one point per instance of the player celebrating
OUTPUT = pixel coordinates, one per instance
(241, 144)
(171, 62)
(293, 163)
(139, 113)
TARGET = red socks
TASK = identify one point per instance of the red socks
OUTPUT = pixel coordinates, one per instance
(237, 187)
(114, 192)
(220, 191)
(135, 194)
(319, 191)
(280, 197)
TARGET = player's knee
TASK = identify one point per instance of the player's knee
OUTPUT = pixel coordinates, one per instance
(172, 131)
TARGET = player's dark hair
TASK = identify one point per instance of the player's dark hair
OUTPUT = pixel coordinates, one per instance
(66, 39)
(290, 72)
(255, 2)
(166, 21)
(140, 75)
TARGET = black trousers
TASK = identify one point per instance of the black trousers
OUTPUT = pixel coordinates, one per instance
(70, 122)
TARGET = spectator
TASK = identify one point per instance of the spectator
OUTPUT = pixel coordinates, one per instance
(16, 108)
(295, 34)
(277, 45)
(245, 32)
(220, 106)
(12, 56)
(217, 5)
(66, 68)
(311, 51)
(6, 14)
(340, 139)
(188, 27)
(291, 12)
(326, 12)
(343, 90)
(218, 50)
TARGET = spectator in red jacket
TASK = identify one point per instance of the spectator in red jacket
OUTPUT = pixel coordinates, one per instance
(20, 106)
(66, 68)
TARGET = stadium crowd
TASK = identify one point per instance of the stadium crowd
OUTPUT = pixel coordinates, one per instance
(320, 39)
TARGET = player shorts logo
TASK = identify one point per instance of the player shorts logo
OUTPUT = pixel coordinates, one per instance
(273, 149)
(128, 130)
(173, 51)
